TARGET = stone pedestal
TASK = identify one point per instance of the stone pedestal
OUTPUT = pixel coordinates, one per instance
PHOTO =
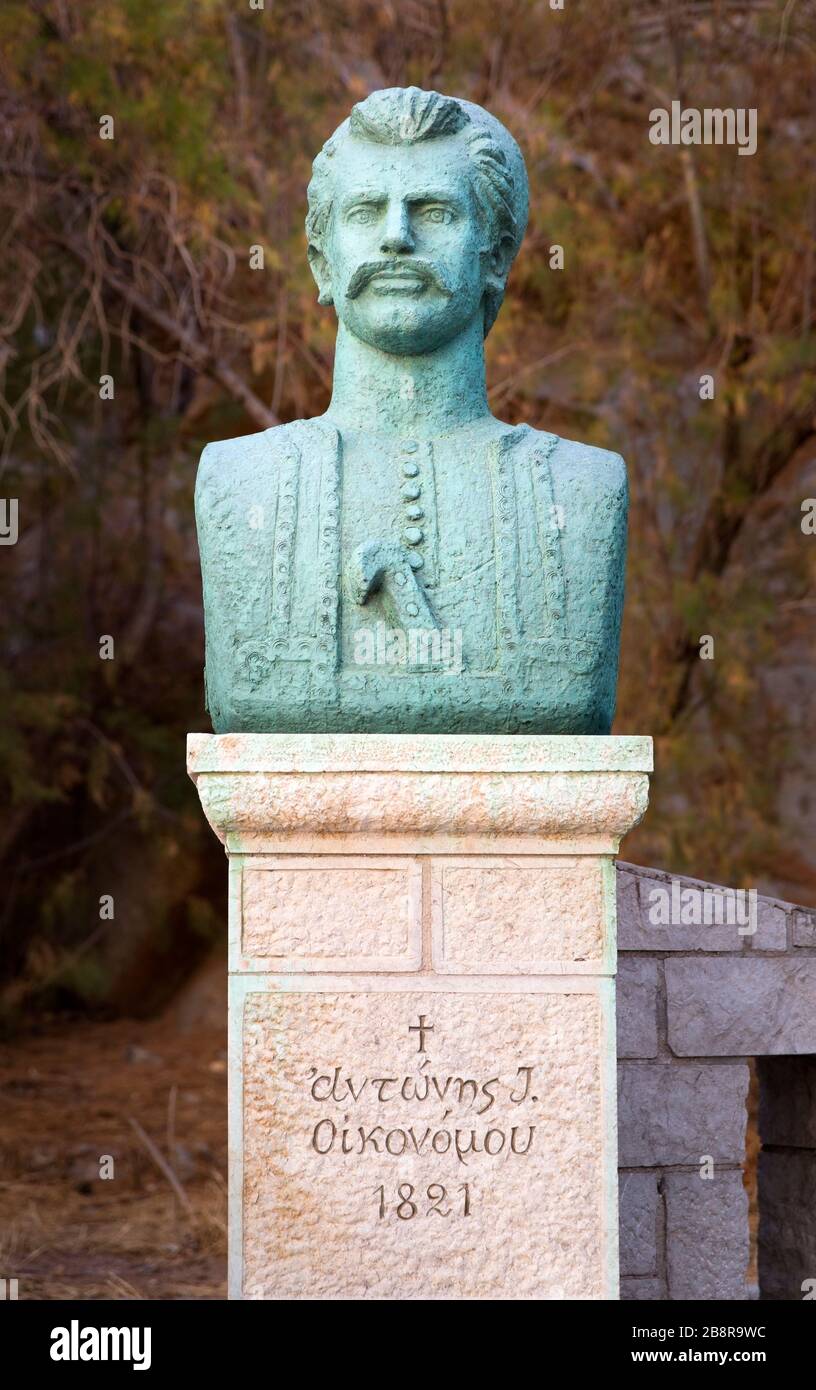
(422, 1032)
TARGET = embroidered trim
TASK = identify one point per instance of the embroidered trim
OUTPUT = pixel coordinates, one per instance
(549, 536)
(284, 544)
(430, 522)
(328, 556)
(506, 531)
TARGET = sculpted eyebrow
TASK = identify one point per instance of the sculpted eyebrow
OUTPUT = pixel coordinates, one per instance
(369, 195)
(366, 195)
(431, 195)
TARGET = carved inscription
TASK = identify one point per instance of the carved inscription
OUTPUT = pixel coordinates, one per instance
(437, 1143)
(406, 1203)
(447, 1108)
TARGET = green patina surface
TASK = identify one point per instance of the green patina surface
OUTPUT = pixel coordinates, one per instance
(407, 562)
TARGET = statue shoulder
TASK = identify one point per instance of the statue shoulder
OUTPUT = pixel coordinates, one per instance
(240, 472)
(587, 482)
(582, 472)
(602, 470)
(227, 463)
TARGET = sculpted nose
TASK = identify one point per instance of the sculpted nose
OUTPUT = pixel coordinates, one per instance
(397, 235)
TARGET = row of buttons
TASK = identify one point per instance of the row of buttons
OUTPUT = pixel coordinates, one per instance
(411, 492)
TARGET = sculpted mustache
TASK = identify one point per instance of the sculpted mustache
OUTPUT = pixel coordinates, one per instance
(425, 270)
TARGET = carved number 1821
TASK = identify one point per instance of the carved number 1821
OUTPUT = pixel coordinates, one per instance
(405, 1206)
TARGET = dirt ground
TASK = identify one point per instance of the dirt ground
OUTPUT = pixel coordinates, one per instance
(153, 1101)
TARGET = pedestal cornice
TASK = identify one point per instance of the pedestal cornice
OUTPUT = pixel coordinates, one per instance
(260, 790)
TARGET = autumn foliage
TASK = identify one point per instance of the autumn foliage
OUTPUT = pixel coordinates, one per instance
(130, 258)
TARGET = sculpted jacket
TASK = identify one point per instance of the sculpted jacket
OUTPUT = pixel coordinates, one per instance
(499, 613)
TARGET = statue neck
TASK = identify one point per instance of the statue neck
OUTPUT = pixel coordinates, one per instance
(424, 396)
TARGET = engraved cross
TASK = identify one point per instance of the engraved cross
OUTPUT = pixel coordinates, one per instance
(422, 1028)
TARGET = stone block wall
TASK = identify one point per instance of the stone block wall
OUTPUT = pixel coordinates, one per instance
(694, 1003)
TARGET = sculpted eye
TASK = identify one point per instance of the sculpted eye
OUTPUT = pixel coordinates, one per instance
(363, 216)
(441, 216)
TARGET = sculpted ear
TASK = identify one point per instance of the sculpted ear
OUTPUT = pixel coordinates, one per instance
(500, 261)
(322, 274)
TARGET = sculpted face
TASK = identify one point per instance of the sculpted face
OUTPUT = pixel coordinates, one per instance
(407, 254)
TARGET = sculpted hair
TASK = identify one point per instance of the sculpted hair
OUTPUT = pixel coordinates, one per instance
(407, 116)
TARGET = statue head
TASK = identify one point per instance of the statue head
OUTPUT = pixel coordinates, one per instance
(417, 207)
